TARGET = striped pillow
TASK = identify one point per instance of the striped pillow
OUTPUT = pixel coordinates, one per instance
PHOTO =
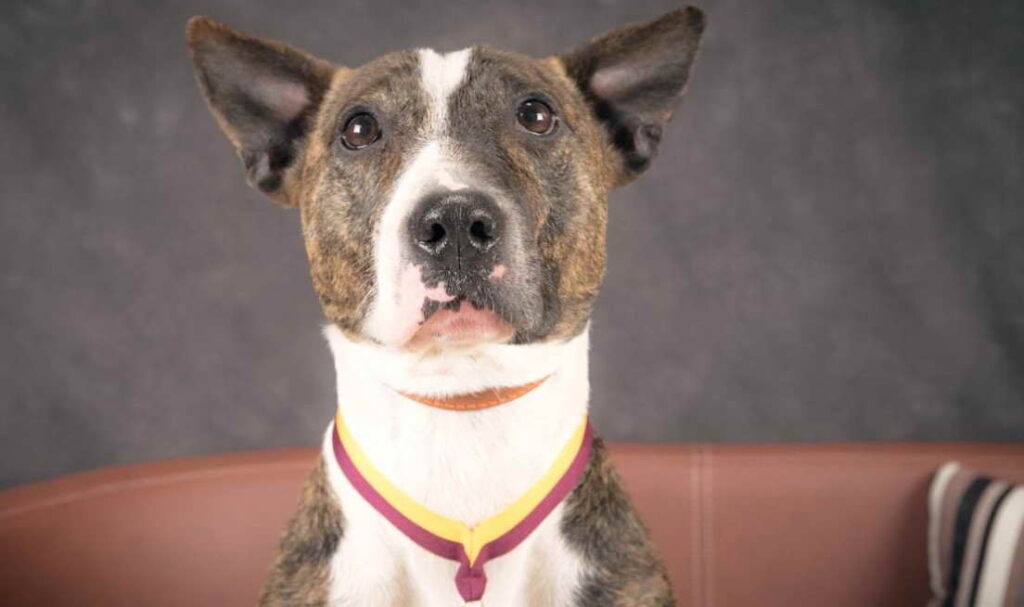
(975, 545)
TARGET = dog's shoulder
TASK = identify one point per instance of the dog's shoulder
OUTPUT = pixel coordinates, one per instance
(300, 574)
(601, 525)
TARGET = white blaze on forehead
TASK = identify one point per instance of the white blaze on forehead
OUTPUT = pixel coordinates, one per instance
(397, 306)
(440, 76)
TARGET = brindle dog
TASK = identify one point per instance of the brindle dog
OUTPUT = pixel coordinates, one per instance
(454, 210)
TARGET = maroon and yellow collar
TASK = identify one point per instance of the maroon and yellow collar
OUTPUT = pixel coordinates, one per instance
(470, 546)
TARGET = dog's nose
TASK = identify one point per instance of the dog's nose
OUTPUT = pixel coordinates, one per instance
(456, 229)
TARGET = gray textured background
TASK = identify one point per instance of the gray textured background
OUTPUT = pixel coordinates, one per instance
(831, 246)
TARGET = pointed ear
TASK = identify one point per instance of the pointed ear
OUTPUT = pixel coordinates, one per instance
(265, 96)
(634, 77)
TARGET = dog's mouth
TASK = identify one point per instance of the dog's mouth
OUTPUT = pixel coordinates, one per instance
(459, 323)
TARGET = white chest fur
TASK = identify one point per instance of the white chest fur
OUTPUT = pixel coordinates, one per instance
(463, 465)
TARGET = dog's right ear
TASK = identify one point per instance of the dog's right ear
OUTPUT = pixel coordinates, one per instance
(264, 95)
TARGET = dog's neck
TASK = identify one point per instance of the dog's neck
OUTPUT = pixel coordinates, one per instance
(465, 465)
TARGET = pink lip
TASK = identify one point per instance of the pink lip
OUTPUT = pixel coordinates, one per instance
(462, 327)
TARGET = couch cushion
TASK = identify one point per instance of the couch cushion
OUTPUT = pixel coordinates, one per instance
(753, 525)
(975, 545)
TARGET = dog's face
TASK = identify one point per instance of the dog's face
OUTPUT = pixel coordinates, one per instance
(450, 199)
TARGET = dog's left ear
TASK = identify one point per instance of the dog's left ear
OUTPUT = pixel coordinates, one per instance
(634, 77)
(265, 96)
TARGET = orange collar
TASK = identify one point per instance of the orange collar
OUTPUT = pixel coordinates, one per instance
(474, 401)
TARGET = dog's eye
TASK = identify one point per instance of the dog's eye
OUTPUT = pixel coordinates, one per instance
(536, 117)
(360, 131)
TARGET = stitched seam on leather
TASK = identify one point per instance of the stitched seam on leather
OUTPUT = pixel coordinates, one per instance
(707, 487)
(695, 538)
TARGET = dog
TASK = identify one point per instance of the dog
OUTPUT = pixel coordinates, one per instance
(453, 207)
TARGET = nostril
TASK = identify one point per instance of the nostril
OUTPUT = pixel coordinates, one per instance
(436, 234)
(480, 232)
(433, 236)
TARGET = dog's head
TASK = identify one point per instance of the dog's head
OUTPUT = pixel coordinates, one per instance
(450, 199)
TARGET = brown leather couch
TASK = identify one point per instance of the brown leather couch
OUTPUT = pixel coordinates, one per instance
(836, 526)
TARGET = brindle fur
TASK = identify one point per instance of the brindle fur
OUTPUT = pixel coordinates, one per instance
(613, 96)
(343, 200)
(600, 523)
(300, 574)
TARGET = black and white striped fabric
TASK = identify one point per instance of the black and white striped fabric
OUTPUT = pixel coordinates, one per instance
(975, 545)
